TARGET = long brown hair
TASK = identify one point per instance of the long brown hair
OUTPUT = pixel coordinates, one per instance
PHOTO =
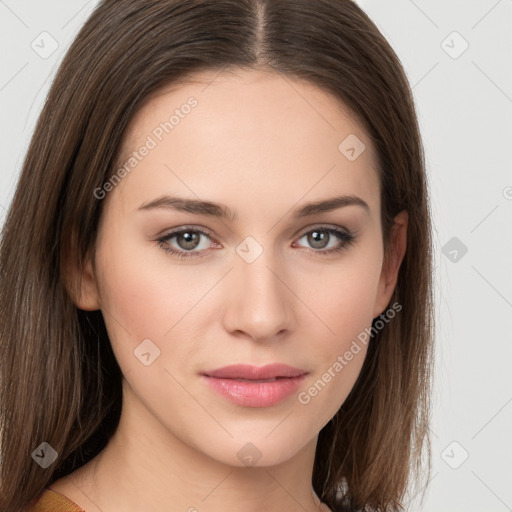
(59, 381)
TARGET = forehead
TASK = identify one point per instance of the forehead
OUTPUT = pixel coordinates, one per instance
(247, 131)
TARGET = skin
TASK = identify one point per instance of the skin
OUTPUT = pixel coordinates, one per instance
(263, 145)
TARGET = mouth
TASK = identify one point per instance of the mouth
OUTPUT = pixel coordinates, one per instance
(251, 386)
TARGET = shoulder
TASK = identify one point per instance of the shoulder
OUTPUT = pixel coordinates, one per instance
(53, 501)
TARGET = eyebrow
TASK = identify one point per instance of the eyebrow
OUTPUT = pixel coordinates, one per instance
(222, 211)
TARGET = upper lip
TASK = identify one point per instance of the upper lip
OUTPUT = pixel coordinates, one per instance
(247, 371)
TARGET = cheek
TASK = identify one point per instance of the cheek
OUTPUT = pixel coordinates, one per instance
(344, 295)
(346, 311)
(339, 355)
(140, 298)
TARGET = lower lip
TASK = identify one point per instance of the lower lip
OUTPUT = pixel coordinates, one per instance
(255, 394)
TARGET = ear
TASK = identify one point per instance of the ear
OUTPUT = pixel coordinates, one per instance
(81, 283)
(392, 262)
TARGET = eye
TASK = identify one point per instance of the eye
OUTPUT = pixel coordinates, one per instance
(187, 241)
(320, 239)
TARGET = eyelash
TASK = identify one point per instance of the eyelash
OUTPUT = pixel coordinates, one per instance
(347, 238)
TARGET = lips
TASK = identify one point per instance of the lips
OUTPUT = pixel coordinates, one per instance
(254, 373)
(252, 386)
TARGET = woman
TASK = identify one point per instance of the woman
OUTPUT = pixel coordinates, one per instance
(216, 269)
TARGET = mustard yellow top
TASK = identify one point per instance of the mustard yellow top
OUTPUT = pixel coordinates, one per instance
(53, 501)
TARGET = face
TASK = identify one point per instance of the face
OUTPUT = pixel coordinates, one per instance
(185, 290)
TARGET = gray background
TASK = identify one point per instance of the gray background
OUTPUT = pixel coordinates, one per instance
(464, 100)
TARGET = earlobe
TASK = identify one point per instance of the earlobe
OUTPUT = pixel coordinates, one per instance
(391, 265)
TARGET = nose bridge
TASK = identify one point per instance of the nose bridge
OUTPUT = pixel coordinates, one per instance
(261, 303)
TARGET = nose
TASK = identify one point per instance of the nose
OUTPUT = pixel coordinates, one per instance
(260, 304)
